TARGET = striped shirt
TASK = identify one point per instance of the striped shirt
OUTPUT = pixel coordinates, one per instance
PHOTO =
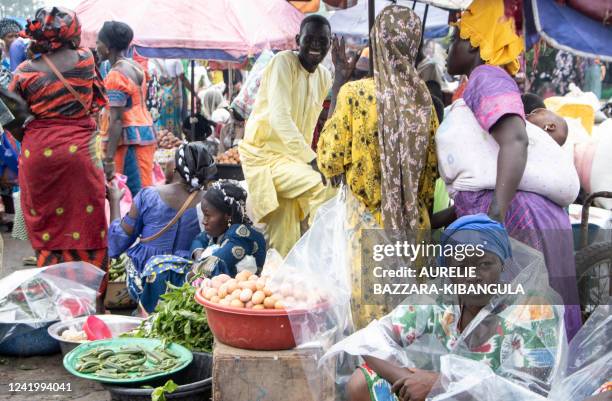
(48, 97)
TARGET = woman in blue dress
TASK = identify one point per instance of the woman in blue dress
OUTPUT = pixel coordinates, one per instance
(152, 225)
(229, 242)
(229, 237)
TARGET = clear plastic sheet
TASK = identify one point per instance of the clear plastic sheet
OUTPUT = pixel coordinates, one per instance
(519, 365)
(314, 281)
(31, 298)
(584, 366)
(588, 363)
(466, 379)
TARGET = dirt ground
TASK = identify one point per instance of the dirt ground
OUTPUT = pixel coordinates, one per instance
(46, 369)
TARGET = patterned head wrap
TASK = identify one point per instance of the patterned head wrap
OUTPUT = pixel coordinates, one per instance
(479, 229)
(195, 165)
(52, 29)
(404, 114)
(228, 197)
(8, 25)
(493, 30)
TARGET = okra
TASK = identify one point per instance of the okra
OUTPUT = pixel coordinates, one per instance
(106, 354)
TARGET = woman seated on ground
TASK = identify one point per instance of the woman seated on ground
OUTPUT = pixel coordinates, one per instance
(163, 220)
(516, 338)
(229, 237)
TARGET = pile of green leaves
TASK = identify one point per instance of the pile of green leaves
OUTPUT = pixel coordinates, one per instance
(178, 318)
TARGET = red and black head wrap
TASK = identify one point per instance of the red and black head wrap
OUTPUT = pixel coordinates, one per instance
(52, 29)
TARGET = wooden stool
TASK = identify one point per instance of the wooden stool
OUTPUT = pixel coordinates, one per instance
(294, 375)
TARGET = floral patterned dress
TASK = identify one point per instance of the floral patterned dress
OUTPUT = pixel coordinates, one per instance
(522, 337)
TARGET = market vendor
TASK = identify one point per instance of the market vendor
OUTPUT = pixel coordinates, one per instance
(154, 227)
(279, 165)
(131, 137)
(516, 337)
(229, 237)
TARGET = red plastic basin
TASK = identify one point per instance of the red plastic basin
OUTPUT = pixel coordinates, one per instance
(263, 330)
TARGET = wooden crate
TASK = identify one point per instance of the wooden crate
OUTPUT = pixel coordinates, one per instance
(291, 375)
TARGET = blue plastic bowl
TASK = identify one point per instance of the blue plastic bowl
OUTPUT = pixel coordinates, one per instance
(23, 341)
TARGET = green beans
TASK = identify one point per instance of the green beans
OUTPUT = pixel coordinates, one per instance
(127, 362)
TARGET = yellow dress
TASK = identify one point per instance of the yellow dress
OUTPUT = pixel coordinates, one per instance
(349, 144)
(276, 153)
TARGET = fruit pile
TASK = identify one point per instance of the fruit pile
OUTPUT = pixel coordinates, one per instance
(167, 140)
(250, 291)
(229, 157)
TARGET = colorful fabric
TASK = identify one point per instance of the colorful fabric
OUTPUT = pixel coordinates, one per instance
(564, 72)
(136, 120)
(479, 229)
(147, 282)
(148, 286)
(238, 242)
(52, 29)
(48, 98)
(404, 115)
(543, 225)
(168, 73)
(349, 143)
(524, 337)
(494, 33)
(58, 213)
(153, 215)
(96, 257)
(136, 163)
(491, 94)
(170, 115)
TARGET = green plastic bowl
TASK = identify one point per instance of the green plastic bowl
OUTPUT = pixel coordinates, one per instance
(71, 358)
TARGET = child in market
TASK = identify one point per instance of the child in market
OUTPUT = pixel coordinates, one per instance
(537, 114)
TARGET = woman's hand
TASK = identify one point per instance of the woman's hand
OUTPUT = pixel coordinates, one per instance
(113, 193)
(415, 386)
(343, 66)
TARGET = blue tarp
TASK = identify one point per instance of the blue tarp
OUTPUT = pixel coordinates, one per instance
(566, 29)
(353, 22)
(191, 54)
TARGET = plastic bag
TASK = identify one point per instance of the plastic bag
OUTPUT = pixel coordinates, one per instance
(588, 363)
(31, 298)
(465, 379)
(243, 103)
(313, 279)
(159, 178)
(126, 202)
(508, 322)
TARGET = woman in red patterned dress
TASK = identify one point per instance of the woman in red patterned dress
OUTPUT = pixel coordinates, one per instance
(60, 173)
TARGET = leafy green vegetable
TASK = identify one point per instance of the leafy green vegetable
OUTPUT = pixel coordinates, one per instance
(178, 318)
(159, 394)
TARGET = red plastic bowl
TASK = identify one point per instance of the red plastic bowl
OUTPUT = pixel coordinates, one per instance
(262, 330)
